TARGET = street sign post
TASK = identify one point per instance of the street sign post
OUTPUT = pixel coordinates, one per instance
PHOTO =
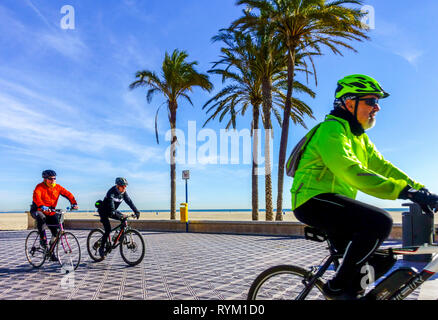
(186, 176)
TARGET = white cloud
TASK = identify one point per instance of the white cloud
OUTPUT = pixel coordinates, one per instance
(21, 91)
(130, 52)
(411, 55)
(136, 113)
(7, 22)
(69, 45)
(41, 131)
(394, 38)
(38, 12)
(34, 39)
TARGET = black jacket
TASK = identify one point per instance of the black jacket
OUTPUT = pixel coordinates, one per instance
(113, 199)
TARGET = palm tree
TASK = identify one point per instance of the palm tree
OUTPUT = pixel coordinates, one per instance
(178, 78)
(244, 92)
(260, 72)
(302, 26)
(269, 64)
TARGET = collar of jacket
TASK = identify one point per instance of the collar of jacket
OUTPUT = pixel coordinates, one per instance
(355, 127)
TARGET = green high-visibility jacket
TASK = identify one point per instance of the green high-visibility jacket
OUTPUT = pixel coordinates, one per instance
(337, 161)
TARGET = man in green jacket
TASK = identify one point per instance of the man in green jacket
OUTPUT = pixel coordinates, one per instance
(338, 161)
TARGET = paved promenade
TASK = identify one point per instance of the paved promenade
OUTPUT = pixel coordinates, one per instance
(176, 266)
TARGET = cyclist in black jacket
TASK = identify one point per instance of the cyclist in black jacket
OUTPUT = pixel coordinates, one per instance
(108, 208)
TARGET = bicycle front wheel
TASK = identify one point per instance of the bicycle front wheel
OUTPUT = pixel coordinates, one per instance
(284, 283)
(35, 253)
(68, 251)
(132, 247)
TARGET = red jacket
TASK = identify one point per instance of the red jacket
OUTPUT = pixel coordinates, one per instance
(48, 196)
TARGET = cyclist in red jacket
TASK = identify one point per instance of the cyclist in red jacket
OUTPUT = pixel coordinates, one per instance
(45, 198)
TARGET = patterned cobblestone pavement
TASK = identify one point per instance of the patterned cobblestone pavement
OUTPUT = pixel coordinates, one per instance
(176, 266)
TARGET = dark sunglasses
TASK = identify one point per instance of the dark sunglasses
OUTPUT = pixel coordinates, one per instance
(372, 102)
(51, 179)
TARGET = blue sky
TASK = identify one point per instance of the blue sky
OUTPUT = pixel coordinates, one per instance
(66, 104)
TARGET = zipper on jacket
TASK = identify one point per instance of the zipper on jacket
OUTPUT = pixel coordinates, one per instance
(322, 174)
(296, 193)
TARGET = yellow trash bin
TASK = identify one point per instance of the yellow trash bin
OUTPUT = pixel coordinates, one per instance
(184, 212)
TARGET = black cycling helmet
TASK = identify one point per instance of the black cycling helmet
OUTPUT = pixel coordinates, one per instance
(48, 173)
(121, 182)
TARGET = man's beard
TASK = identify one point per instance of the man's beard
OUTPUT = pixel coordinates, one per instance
(370, 124)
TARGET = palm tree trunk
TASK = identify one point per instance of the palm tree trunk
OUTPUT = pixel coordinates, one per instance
(172, 163)
(267, 107)
(285, 128)
(255, 162)
(268, 176)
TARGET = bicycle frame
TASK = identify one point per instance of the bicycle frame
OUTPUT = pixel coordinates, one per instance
(123, 228)
(333, 258)
(60, 226)
(428, 271)
(116, 241)
(309, 286)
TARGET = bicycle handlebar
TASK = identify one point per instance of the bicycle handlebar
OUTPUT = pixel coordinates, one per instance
(68, 209)
(132, 215)
(433, 207)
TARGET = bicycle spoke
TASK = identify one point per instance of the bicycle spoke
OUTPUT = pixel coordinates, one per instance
(35, 254)
(68, 251)
(132, 248)
(94, 241)
(283, 283)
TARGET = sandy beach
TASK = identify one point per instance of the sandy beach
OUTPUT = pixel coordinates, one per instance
(18, 221)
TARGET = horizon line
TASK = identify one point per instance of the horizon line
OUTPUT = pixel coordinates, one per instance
(195, 210)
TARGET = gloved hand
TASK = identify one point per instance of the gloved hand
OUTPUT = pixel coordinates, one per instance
(44, 208)
(427, 201)
(74, 207)
(137, 214)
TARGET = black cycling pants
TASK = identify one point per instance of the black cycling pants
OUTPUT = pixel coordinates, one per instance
(42, 222)
(354, 228)
(104, 218)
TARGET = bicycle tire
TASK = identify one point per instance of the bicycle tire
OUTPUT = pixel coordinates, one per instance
(128, 247)
(68, 251)
(284, 282)
(31, 246)
(93, 245)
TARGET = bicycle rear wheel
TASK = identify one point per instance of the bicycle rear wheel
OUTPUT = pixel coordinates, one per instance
(68, 251)
(94, 241)
(132, 247)
(284, 283)
(35, 253)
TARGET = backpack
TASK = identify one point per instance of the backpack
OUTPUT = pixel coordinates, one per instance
(298, 150)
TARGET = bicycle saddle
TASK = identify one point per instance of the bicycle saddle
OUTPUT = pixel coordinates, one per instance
(314, 234)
